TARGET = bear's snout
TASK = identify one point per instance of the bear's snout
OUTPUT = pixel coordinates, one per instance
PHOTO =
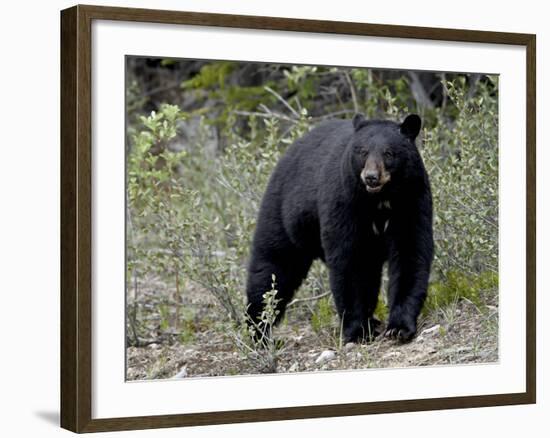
(372, 180)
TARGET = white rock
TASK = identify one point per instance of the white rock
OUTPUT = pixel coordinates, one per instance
(325, 356)
(293, 368)
(431, 330)
(349, 346)
(392, 354)
(181, 374)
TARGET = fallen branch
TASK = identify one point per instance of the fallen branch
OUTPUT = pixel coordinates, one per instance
(302, 300)
(266, 115)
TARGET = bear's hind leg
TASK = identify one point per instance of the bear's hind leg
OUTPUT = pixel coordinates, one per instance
(289, 270)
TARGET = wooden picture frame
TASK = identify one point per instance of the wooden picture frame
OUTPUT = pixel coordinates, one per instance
(76, 218)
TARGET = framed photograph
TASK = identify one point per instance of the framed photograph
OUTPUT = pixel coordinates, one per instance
(268, 218)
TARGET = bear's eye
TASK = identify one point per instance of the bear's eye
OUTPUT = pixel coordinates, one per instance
(388, 154)
(364, 153)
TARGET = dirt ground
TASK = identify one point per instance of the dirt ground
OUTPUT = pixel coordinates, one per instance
(201, 345)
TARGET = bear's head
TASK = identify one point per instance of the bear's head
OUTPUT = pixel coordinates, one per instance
(383, 152)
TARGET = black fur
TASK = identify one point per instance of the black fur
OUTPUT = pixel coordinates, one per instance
(316, 205)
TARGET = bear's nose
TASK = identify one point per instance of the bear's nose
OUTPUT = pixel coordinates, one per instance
(371, 178)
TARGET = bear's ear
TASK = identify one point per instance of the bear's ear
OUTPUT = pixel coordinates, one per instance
(411, 126)
(358, 121)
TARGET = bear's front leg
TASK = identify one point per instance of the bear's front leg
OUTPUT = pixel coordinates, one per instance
(407, 292)
(355, 287)
(410, 259)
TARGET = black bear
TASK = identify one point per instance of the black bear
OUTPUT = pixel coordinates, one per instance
(355, 194)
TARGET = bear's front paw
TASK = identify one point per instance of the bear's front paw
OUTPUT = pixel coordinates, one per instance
(401, 328)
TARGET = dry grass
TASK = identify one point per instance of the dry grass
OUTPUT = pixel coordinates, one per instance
(202, 345)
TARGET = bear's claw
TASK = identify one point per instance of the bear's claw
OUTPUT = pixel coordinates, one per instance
(400, 334)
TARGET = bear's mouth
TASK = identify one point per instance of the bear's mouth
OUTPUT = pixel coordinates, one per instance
(374, 181)
(373, 188)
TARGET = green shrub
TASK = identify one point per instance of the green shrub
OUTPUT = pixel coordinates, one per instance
(255, 338)
(462, 161)
(457, 286)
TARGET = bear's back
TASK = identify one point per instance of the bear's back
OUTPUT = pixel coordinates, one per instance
(294, 187)
(305, 159)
